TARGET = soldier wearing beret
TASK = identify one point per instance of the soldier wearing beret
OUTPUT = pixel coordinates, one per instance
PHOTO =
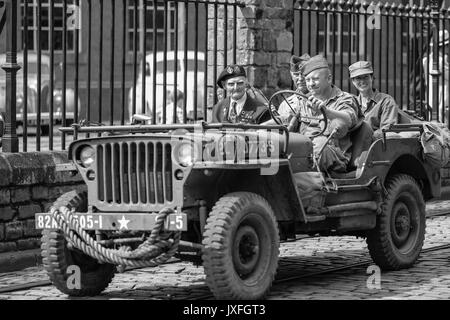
(341, 109)
(380, 110)
(238, 106)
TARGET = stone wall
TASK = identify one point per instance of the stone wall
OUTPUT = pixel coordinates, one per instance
(264, 43)
(29, 184)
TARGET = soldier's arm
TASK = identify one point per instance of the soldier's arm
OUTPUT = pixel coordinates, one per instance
(345, 110)
(343, 115)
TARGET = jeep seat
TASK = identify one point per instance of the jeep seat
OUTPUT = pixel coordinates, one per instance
(362, 139)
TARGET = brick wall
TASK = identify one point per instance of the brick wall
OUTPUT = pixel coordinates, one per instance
(29, 184)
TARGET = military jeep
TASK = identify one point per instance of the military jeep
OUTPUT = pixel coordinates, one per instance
(225, 196)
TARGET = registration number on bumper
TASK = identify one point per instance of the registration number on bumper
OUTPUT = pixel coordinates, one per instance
(115, 221)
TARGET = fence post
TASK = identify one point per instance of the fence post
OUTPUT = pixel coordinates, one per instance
(265, 43)
(10, 141)
(435, 6)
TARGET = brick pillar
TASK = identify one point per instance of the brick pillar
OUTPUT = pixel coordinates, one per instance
(264, 43)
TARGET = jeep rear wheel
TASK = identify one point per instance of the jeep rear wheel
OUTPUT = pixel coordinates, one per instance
(241, 247)
(397, 240)
(57, 257)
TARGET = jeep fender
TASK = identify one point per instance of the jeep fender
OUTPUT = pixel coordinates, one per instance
(278, 189)
(401, 155)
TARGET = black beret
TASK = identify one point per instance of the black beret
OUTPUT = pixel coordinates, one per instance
(231, 72)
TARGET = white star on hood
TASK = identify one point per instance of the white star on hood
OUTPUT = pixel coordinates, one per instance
(123, 223)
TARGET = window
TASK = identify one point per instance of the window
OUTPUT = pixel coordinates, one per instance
(32, 69)
(58, 16)
(191, 65)
(149, 32)
(170, 66)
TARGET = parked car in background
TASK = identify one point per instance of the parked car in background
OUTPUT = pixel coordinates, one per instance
(181, 72)
(32, 92)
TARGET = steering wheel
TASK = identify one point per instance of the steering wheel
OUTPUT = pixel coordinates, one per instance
(290, 96)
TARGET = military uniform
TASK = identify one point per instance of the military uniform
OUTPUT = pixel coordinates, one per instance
(253, 112)
(296, 64)
(380, 111)
(337, 153)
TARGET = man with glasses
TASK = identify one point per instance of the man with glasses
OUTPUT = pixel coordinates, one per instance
(380, 110)
(238, 106)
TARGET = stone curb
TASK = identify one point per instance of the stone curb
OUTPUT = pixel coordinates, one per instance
(18, 260)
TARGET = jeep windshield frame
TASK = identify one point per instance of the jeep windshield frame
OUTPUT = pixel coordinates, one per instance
(75, 129)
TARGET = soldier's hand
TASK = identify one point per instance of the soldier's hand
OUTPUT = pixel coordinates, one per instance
(315, 104)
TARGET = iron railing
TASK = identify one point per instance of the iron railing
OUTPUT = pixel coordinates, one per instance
(94, 60)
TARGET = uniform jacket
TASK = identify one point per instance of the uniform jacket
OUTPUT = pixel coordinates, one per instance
(380, 112)
(253, 112)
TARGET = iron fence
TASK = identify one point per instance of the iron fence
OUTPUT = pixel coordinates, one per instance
(103, 61)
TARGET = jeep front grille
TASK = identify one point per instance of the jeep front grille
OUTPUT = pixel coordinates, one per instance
(134, 173)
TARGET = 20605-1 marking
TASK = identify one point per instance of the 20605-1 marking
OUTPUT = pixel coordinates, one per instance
(46, 221)
(115, 221)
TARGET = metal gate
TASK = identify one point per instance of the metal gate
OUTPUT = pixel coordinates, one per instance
(103, 61)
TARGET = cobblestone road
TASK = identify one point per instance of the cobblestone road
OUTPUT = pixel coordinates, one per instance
(428, 279)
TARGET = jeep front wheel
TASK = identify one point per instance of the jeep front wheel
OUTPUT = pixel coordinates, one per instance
(57, 257)
(397, 239)
(241, 247)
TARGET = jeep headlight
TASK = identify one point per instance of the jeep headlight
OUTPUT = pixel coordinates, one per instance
(186, 154)
(87, 156)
